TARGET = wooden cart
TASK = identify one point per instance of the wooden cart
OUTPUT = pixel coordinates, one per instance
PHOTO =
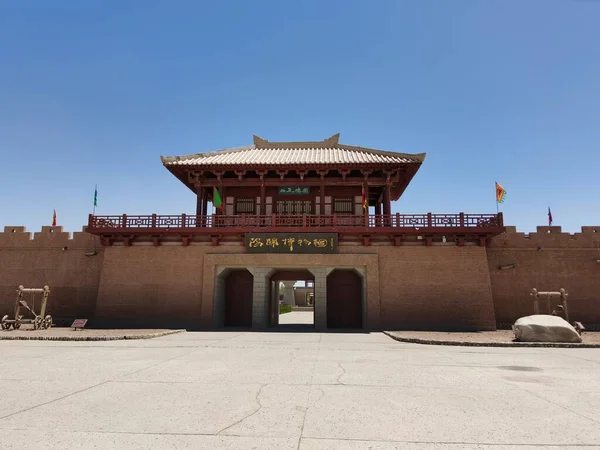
(39, 321)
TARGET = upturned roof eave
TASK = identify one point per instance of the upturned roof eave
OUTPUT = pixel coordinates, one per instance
(416, 159)
(180, 160)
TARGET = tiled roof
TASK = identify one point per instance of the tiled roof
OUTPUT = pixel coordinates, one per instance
(263, 152)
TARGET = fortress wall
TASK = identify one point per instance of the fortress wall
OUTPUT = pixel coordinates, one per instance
(417, 286)
(547, 260)
(54, 258)
(443, 287)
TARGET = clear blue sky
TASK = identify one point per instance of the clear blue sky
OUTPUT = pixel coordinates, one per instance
(95, 91)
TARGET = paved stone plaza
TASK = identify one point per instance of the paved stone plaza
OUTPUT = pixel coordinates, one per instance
(297, 317)
(238, 390)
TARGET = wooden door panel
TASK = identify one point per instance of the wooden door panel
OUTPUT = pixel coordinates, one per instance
(238, 299)
(344, 299)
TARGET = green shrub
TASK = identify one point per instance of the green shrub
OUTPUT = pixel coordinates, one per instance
(285, 309)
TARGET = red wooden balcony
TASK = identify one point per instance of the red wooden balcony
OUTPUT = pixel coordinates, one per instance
(191, 223)
(393, 225)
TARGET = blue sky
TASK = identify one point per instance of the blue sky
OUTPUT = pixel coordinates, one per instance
(94, 92)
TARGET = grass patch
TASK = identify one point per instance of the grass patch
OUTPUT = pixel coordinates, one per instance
(285, 309)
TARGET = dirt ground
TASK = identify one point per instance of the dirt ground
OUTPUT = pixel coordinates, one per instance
(59, 332)
(592, 337)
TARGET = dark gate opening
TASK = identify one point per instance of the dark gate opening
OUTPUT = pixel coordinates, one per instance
(344, 299)
(238, 298)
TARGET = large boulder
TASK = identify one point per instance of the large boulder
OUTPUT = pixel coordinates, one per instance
(544, 328)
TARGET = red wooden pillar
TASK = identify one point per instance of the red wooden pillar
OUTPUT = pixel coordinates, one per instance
(204, 206)
(223, 198)
(387, 205)
(199, 201)
(366, 191)
(378, 207)
(204, 201)
(263, 200)
(199, 205)
(322, 198)
(365, 210)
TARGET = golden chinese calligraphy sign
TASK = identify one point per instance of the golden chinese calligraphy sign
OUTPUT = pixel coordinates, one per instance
(291, 242)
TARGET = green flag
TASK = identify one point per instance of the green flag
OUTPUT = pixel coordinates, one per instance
(217, 199)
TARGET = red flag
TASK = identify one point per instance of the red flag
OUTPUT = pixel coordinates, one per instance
(54, 219)
(549, 217)
(365, 204)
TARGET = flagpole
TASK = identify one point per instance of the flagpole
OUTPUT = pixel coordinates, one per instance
(93, 214)
(95, 193)
(496, 192)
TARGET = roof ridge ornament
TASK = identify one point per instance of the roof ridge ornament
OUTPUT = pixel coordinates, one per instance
(333, 140)
(259, 142)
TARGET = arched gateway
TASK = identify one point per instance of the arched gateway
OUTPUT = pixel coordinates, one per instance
(320, 206)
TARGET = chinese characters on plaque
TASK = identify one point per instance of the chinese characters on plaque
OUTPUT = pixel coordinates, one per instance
(291, 242)
(294, 190)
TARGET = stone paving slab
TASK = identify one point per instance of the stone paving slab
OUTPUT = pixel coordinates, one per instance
(352, 444)
(60, 440)
(496, 415)
(297, 317)
(311, 391)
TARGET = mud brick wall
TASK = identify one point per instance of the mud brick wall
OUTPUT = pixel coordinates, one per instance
(435, 288)
(547, 260)
(143, 285)
(54, 258)
(408, 287)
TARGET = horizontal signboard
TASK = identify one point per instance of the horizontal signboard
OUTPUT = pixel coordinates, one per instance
(294, 190)
(291, 242)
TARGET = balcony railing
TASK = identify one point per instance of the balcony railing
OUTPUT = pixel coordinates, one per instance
(125, 222)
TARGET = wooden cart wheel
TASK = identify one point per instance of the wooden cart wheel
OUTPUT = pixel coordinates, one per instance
(38, 323)
(17, 324)
(5, 324)
(47, 322)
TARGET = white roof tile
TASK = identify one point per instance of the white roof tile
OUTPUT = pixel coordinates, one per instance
(276, 154)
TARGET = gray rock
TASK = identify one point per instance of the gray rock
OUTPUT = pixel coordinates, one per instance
(544, 328)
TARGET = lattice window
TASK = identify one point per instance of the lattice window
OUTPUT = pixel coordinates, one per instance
(343, 206)
(294, 207)
(245, 206)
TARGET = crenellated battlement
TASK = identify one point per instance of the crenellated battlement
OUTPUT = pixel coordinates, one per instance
(49, 237)
(544, 236)
(548, 237)
(70, 263)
